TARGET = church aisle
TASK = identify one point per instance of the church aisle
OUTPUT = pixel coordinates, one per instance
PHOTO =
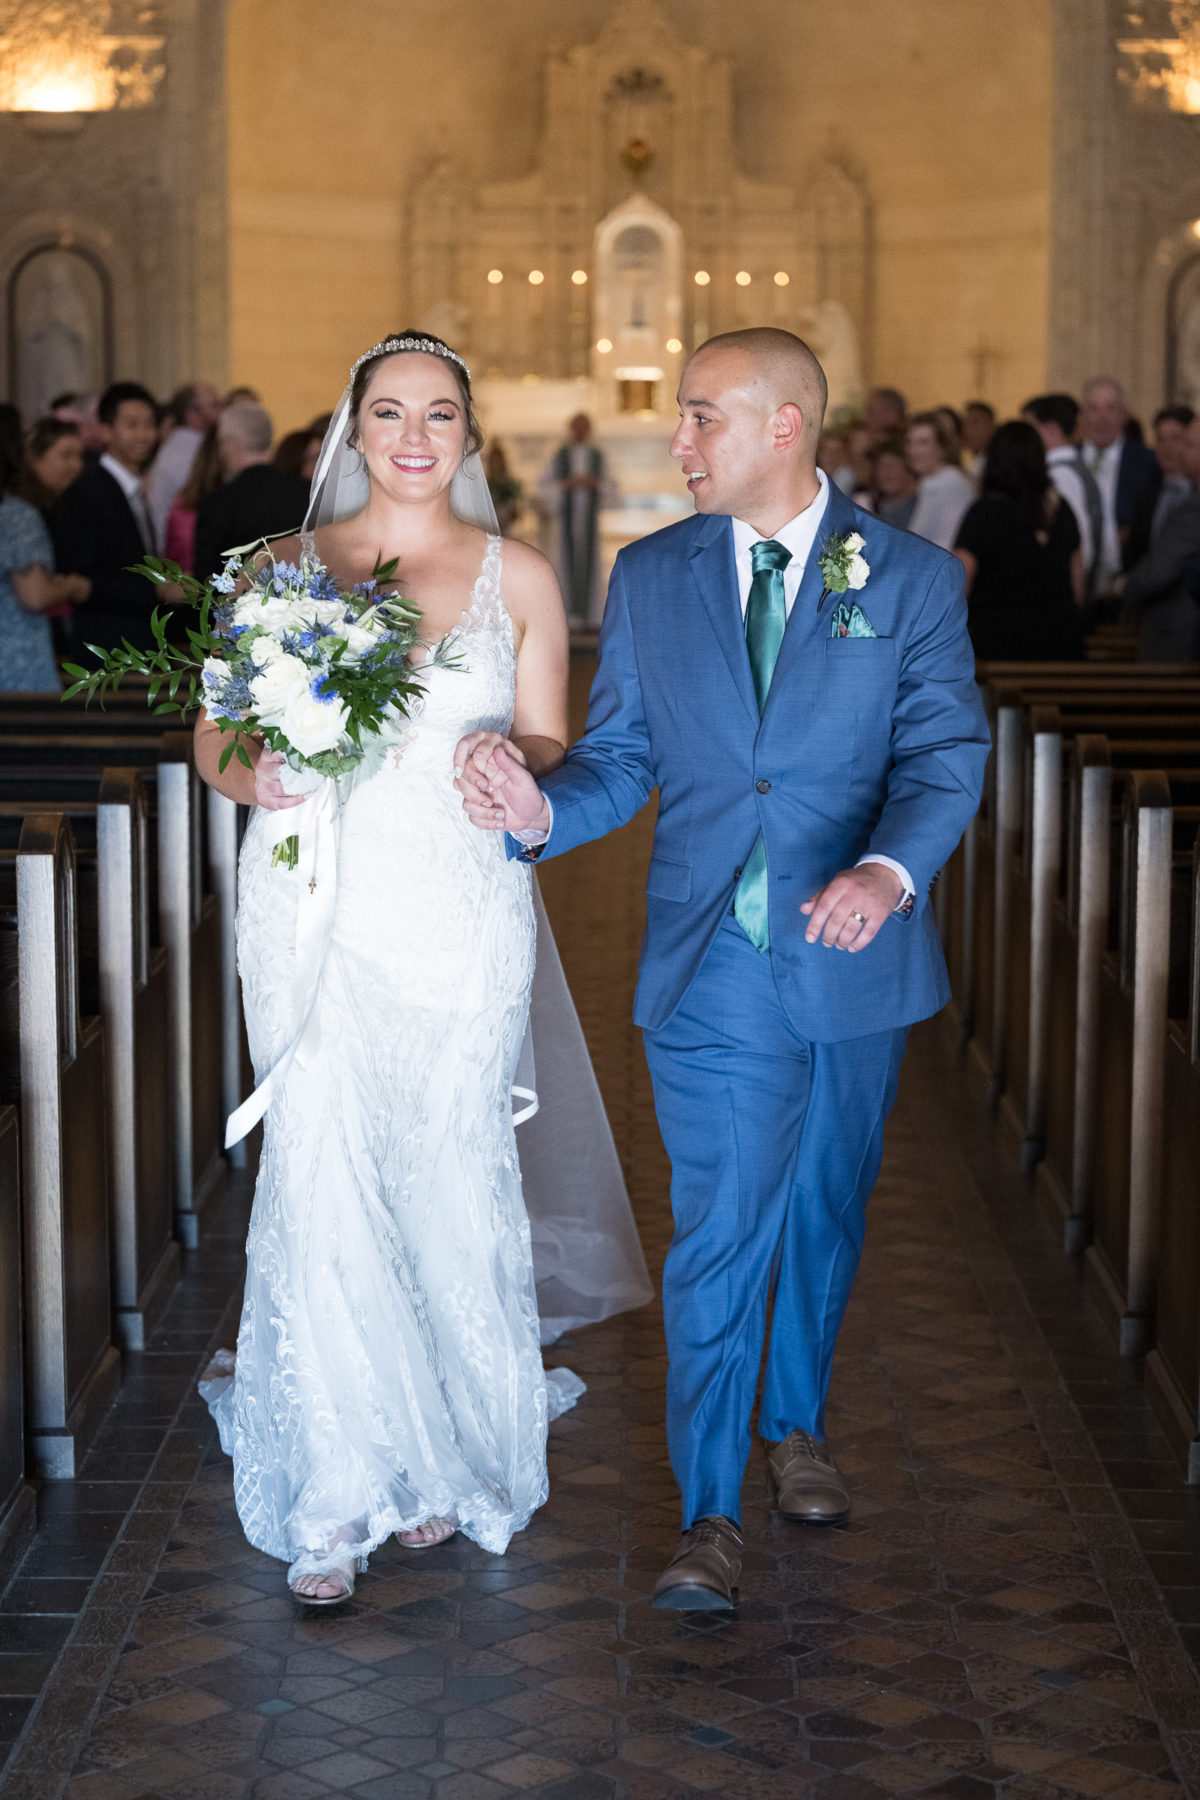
(990, 1622)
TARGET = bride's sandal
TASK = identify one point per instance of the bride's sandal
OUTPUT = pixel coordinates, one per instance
(427, 1536)
(339, 1577)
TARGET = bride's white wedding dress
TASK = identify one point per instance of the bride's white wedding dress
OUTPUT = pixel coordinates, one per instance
(388, 1364)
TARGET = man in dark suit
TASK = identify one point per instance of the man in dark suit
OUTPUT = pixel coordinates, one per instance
(1124, 470)
(1158, 588)
(257, 501)
(101, 526)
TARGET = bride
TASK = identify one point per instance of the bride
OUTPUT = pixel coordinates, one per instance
(388, 1376)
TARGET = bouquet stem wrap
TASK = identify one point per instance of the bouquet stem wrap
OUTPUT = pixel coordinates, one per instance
(317, 824)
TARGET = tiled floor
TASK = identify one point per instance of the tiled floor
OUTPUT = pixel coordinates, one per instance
(994, 1620)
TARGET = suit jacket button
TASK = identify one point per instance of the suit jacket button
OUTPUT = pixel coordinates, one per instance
(737, 874)
(763, 787)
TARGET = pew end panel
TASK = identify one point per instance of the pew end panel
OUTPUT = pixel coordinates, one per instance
(74, 1367)
(18, 1510)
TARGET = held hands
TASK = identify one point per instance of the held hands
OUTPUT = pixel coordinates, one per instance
(849, 912)
(499, 793)
(268, 788)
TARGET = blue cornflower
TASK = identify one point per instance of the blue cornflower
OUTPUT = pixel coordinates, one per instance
(322, 689)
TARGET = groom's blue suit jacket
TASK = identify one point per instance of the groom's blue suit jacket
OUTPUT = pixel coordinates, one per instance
(865, 745)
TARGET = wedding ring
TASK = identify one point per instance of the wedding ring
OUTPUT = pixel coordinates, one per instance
(861, 917)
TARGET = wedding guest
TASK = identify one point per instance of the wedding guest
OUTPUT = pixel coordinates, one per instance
(179, 545)
(53, 460)
(192, 410)
(979, 428)
(893, 485)
(81, 410)
(102, 526)
(1158, 587)
(954, 438)
(256, 501)
(1152, 510)
(886, 414)
(944, 493)
(1055, 418)
(1019, 545)
(833, 457)
(242, 396)
(859, 445)
(573, 488)
(1123, 469)
(29, 586)
(503, 486)
(296, 454)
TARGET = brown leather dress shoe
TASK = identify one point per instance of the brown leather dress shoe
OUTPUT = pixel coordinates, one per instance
(808, 1487)
(702, 1575)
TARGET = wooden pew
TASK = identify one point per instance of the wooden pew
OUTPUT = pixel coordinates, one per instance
(18, 1511)
(1173, 1364)
(197, 836)
(1034, 878)
(1123, 1259)
(992, 850)
(129, 986)
(57, 1076)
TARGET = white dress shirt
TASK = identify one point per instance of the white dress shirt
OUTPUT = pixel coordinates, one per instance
(798, 535)
(1106, 467)
(131, 486)
(1062, 466)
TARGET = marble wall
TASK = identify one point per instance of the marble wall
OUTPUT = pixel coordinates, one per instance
(937, 111)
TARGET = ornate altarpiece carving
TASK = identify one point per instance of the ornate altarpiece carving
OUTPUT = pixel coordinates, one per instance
(638, 132)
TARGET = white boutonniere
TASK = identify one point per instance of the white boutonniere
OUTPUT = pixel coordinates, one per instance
(842, 565)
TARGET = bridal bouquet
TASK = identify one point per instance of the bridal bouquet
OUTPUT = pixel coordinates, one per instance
(283, 652)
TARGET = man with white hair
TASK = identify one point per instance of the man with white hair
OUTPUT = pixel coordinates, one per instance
(257, 501)
(1123, 470)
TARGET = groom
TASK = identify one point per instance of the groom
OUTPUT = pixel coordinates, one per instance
(804, 700)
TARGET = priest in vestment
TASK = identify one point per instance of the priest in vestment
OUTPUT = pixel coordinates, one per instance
(573, 488)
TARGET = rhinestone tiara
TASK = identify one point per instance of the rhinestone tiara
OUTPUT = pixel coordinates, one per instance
(390, 344)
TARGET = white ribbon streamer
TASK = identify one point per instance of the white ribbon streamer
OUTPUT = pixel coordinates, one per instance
(316, 824)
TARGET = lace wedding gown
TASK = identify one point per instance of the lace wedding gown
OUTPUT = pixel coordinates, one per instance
(388, 1365)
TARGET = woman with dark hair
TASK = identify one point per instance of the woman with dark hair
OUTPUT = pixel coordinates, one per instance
(29, 588)
(53, 460)
(1019, 545)
(296, 453)
(893, 484)
(388, 1375)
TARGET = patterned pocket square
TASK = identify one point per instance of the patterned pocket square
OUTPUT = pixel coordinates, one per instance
(850, 621)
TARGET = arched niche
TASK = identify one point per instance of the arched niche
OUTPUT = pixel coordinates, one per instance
(60, 325)
(637, 311)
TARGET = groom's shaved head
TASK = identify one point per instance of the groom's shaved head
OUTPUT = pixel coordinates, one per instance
(778, 364)
(751, 405)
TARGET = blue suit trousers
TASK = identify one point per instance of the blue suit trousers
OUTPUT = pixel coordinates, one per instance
(775, 1144)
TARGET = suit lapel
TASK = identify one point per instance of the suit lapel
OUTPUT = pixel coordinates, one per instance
(806, 622)
(715, 572)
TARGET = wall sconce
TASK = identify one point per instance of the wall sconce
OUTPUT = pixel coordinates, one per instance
(63, 59)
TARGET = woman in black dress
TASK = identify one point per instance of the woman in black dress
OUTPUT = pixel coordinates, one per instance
(1019, 544)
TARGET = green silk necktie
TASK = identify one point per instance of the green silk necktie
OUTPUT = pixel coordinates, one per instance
(766, 616)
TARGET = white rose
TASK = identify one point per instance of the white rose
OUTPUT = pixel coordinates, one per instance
(276, 613)
(312, 725)
(856, 574)
(855, 542)
(358, 639)
(214, 670)
(264, 650)
(277, 685)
